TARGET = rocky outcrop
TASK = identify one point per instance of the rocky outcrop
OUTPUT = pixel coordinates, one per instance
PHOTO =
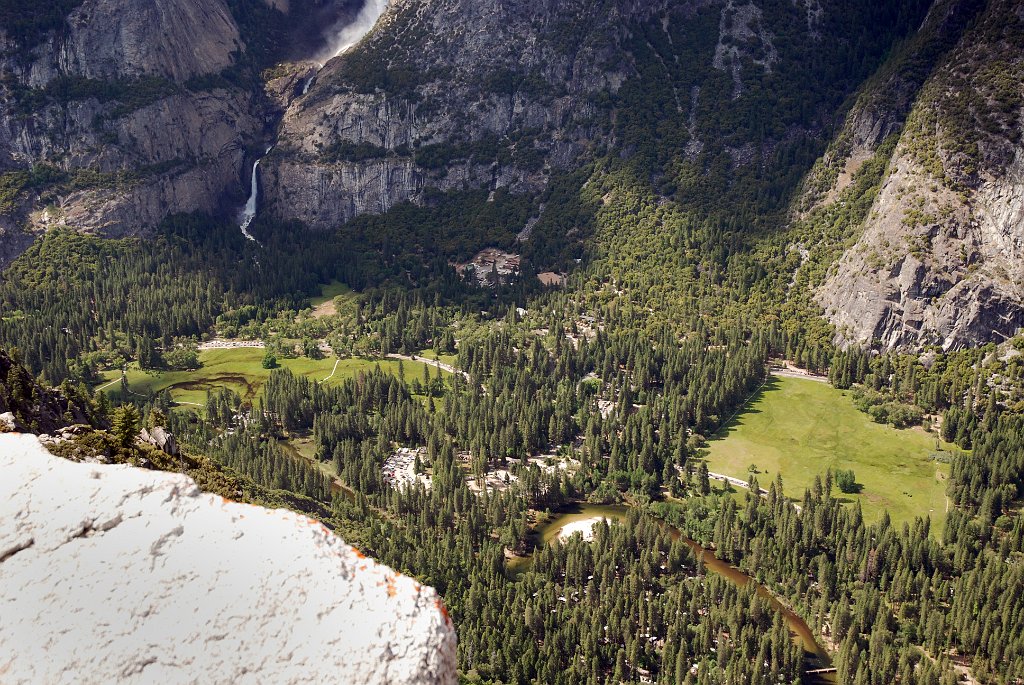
(940, 260)
(173, 39)
(160, 438)
(881, 107)
(465, 94)
(114, 574)
(125, 107)
(436, 91)
(741, 37)
(29, 406)
(934, 270)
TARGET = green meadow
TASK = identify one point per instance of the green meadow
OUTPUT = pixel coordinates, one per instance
(329, 291)
(800, 428)
(241, 370)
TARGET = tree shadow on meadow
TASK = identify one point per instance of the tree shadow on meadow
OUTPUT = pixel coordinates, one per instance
(737, 419)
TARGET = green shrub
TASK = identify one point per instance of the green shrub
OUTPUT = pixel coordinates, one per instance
(847, 481)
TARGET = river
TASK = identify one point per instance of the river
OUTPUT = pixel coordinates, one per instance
(576, 518)
(337, 486)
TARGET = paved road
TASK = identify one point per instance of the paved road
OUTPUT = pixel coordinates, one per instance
(740, 484)
(790, 373)
(430, 362)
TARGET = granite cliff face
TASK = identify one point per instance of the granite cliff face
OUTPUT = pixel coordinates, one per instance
(453, 94)
(435, 91)
(127, 111)
(116, 574)
(175, 39)
(122, 111)
(940, 259)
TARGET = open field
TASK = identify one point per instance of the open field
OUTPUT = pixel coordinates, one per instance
(429, 353)
(324, 304)
(241, 369)
(800, 428)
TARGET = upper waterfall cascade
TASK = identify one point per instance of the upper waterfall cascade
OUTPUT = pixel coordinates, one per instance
(347, 35)
(344, 38)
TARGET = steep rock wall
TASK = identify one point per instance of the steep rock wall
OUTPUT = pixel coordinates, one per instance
(457, 77)
(124, 107)
(940, 259)
(175, 39)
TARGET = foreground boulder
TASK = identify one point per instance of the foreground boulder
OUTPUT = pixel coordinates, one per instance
(161, 439)
(115, 574)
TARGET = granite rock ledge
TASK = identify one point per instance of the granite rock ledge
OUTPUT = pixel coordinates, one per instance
(117, 574)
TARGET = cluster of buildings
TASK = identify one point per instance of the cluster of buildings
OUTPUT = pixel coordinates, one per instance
(400, 468)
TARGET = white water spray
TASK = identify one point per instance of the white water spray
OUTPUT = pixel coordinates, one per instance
(351, 33)
(249, 213)
(343, 39)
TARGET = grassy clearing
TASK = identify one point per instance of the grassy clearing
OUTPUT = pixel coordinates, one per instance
(329, 292)
(324, 305)
(241, 370)
(800, 428)
(304, 447)
(430, 353)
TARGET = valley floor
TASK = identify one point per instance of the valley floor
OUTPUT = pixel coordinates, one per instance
(241, 370)
(799, 428)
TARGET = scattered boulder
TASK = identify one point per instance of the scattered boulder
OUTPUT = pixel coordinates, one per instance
(161, 439)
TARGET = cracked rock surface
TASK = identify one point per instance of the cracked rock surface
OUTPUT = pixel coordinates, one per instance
(116, 574)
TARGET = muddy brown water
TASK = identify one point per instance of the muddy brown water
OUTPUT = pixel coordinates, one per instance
(217, 381)
(816, 655)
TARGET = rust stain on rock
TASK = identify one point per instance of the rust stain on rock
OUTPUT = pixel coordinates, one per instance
(444, 611)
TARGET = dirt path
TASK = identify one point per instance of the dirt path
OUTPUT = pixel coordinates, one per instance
(132, 392)
(324, 309)
(788, 372)
(104, 387)
(733, 481)
(740, 484)
(725, 424)
(791, 372)
(336, 362)
(118, 380)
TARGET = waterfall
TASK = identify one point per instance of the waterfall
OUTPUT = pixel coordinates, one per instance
(249, 213)
(347, 35)
(343, 38)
